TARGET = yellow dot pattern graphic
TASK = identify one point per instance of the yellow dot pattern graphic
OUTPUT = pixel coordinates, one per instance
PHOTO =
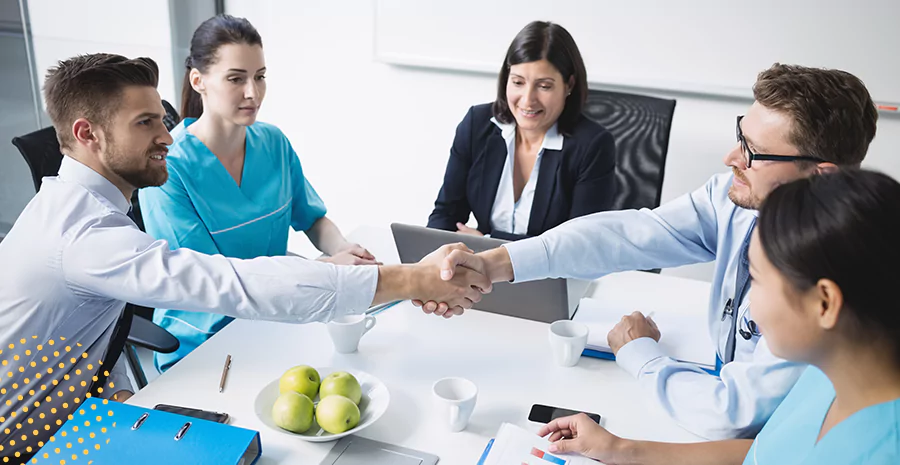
(43, 424)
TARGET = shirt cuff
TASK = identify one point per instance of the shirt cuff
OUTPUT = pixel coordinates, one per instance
(529, 259)
(355, 290)
(633, 356)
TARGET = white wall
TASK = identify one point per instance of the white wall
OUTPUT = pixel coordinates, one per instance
(374, 138)
(634, 40)
(62, 29)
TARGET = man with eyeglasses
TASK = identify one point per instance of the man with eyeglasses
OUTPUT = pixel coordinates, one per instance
(804, 122)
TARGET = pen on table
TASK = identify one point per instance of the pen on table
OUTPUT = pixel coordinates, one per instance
(382, 307)
(225, 373)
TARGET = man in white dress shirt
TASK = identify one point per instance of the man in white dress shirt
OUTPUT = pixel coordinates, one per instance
(804, 121)
(74, 257)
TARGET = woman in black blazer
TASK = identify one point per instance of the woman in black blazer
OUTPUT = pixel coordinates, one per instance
(530, 161)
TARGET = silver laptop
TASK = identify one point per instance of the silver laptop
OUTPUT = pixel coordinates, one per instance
(546, 300)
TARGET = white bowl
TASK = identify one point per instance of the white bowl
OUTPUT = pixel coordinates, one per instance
(372, 405)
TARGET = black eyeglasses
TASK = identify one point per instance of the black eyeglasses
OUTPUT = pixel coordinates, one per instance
(749, 156)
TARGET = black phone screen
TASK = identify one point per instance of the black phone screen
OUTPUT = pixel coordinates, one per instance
(195, 413)
(546, 414)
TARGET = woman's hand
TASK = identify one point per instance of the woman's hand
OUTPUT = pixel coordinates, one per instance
(351, 254)
(461, 228)
(580, 435)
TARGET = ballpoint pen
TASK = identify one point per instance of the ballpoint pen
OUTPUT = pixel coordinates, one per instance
(225, 373)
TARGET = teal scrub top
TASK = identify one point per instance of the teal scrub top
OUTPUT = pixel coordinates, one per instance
(870, 436)
(200, 207)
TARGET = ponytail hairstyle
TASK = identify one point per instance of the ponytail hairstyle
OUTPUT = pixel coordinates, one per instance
(213, 33)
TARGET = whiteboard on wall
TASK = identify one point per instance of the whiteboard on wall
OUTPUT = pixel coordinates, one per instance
(701, 46)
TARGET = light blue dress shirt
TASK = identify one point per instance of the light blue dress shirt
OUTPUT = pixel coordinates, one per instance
(203, 209)
(74, 258)
(702, 226)
(509, 215)
(870, 436)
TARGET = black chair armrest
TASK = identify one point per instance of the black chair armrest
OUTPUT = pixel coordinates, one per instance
(145, 333)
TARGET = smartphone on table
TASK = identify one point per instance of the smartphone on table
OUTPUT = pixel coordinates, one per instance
(192, 412)
(546, 413)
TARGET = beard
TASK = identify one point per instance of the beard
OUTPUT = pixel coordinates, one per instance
(749, 201)
(137, 171)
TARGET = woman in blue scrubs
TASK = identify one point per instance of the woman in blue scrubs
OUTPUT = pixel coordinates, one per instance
(235, 184)
(823, 261)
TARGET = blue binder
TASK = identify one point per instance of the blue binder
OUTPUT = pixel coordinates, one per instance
(106, 432)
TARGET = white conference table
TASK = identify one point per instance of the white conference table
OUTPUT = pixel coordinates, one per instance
(507, 358)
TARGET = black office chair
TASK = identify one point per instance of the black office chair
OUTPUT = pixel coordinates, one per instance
(42, 154)
(641, 126)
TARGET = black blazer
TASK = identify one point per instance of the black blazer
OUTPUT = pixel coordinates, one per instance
(575, 181)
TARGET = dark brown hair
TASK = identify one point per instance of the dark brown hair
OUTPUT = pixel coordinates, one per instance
(213, 33)
(541, 40)
(833, 114)
(840, 226)
(90, 86)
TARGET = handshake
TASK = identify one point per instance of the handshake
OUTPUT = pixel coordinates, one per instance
(450, 280)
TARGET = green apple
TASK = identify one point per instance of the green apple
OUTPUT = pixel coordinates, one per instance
(341, 383)
(337, 414)
(301, 379)
(293, 411)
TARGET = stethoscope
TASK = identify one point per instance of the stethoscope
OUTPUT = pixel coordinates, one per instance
(751, 325)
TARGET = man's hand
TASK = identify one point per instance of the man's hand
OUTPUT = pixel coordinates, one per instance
(632, 327)
(494, 263)
(476, 278)
(579, 434)
(461, 228)
(454, 254)
(122, 396)
(351, 254)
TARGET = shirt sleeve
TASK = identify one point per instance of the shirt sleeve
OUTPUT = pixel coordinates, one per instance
(118, 379)
(680, 232)
(595, 188)
(133, 267)
(735, 404)
(452, 204)
(306, 206)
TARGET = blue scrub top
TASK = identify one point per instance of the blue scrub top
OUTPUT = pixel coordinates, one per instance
(870, 436)
(201, 207)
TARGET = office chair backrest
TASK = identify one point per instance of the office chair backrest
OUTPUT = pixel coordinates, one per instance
(41, 152)
(171, 119)
(641, 126)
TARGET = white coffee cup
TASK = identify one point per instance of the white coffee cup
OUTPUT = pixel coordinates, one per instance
(567, 341)
(455, 399)
(348, 330)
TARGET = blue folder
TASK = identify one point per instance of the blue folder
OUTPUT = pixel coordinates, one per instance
(106, 432)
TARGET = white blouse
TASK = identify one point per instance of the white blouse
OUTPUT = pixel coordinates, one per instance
(507, 215)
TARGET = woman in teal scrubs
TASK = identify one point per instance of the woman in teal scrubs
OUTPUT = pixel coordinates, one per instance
(235, 184)
(823, 261)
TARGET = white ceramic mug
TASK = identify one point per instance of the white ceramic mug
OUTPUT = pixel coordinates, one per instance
(455, 398)
(567, 341)
(348, 330)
